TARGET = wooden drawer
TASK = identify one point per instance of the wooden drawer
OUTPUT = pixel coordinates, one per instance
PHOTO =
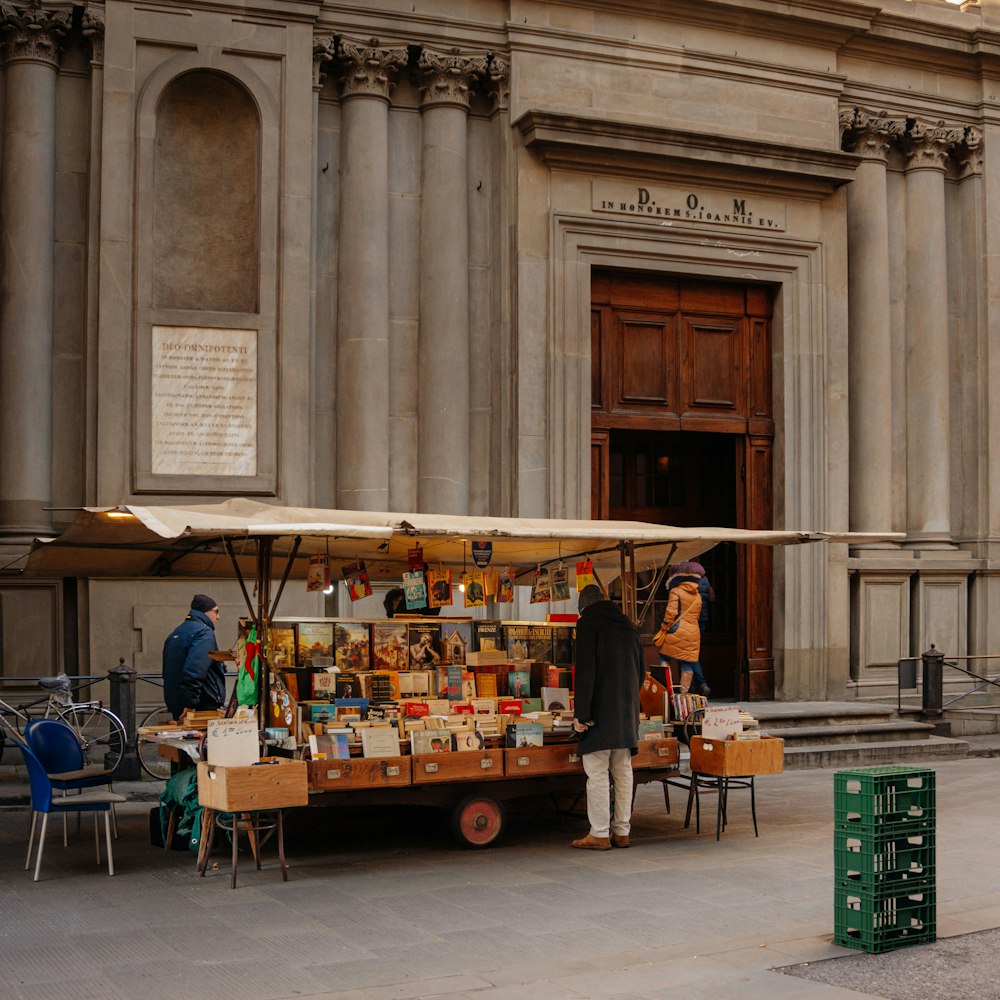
(278, 785)
(464, 765)
(657, 753)
(562, 758)
(737, 758)
(359, 772)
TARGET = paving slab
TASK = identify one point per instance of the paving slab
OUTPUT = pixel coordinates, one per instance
(382, 904)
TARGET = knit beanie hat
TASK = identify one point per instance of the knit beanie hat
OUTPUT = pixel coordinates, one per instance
(200, 602)
(590, 594)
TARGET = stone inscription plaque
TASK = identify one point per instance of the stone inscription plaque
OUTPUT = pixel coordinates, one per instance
(675, 205)
(204, 402)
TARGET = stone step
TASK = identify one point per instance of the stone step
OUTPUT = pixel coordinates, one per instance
(818, 713)
(866, 732)
(846, 755)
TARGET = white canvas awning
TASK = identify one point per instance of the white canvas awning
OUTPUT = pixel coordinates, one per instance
(188, 540)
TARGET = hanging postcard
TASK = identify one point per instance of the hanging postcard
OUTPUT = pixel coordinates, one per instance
(560, 584)
(490, 582)
(415, 588)
(356, 578)
(505, 587)
(439, 588)
(541, 587)
(482, 553)
(475, 589)
(318, 577)
(584, 574)
(415, 557)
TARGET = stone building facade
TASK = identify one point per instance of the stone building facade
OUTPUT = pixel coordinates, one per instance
(473, 257)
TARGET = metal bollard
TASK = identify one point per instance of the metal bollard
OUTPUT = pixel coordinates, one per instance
(122, 679)
(933, 678)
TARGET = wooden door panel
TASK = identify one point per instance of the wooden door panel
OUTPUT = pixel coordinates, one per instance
(599, 489)
(647, 361)
(597, 366)
(714, 364)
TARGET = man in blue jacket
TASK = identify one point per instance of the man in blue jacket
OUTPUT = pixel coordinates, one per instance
(191, 678)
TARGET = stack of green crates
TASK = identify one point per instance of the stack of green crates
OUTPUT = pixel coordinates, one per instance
(884, 897)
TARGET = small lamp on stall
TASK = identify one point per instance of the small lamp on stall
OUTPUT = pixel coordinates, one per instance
(461, 585)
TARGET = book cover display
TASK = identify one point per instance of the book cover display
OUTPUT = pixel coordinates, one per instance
(438, 588)
(560, 584)
(314, 639)
(352, 646)
(430, 741)
(423, 639)
(456, 640)
(475, 589)
(356, 578)
(541, 587)
(487, 636)
(539, 641)
(525, 734)
(281, 648)
(389, 642)
(415, 589)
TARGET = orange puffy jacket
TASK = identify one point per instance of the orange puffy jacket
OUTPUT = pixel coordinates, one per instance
(679, 635)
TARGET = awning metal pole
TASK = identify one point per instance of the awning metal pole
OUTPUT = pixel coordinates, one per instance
(239, 576)
(284, 576)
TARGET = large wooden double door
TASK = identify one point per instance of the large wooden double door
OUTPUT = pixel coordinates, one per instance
(682, 433)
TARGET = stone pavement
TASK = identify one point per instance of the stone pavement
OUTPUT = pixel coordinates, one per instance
(381, 905)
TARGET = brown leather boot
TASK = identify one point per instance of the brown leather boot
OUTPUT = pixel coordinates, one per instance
(620, 840)
(592, 843)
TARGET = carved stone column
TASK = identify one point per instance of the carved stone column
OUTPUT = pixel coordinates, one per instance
(443, 429)
(363, 277)
(928, 417)
(27, 226)
(869, 345)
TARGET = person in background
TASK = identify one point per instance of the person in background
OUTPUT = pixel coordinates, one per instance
(191, 678)
(707, 593)
(609, 674)
(679, 636)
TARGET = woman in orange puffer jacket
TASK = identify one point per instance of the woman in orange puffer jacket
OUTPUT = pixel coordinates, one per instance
(679, 637)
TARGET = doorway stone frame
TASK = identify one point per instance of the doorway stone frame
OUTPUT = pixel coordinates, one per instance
(809, 386)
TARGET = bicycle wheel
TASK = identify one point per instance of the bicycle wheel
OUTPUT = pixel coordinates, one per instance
(101, 733)
(149, 756)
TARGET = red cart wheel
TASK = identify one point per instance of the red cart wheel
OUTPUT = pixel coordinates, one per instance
(478, 821)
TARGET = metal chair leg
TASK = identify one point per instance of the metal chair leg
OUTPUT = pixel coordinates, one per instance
(281, 849)
(107, 837)
(236, 837)
(97, 839)
(41, 845)
(753, 807)
(31, 840)
(722, 785)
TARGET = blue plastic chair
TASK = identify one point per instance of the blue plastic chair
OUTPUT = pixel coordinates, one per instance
(58, 748)
(43, 804)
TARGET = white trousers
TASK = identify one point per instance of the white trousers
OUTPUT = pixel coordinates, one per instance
(600, 766)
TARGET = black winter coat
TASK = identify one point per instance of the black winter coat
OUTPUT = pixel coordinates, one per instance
(191, 678)
(609, 674)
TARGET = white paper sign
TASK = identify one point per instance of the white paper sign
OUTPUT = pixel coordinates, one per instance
(233, 742)
(720, 722)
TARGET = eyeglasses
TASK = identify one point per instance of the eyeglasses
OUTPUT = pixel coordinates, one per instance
(216, 612)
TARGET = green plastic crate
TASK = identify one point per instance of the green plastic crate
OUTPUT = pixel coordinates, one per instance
(877, 922)
(875, 859)
(883, 796)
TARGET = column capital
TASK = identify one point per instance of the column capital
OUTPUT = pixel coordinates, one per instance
(32, 33)
(445, 78)
(324, 52)
(928, 147)
(93, 29)
(869, 134)
(365, 69)
(970, 152)
(498, 83)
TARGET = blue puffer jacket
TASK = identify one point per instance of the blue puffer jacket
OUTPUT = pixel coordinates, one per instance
(191, 678)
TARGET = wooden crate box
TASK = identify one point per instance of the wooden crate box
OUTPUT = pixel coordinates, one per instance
(656, 753)
(359, 772)
(466, 765)
(560, 758)
(735, 758)
(278, 785)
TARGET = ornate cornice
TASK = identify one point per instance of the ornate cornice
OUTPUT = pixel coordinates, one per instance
(445, 78)
(324, 51)
(869, 135)
(928, 147)
(31, 32)
(970, 153)
(365, 69)
(93, 29)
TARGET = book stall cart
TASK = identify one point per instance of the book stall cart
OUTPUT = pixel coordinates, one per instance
(462, 713)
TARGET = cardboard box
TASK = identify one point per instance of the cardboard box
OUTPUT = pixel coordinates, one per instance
(359, 772)
(737, 758)
(279, 785)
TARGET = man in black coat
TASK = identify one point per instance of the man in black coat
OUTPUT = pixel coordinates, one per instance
(191, 678)
(609, 676)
